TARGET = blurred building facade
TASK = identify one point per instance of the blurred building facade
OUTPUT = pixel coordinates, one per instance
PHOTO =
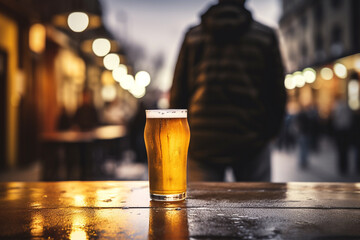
(317, 35)
(44, 68)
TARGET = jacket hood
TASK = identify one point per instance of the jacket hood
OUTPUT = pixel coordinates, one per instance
(226, 20)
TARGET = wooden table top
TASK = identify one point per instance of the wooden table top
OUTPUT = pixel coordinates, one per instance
(123, 210)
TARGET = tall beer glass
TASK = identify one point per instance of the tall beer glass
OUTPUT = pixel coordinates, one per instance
(167, 137)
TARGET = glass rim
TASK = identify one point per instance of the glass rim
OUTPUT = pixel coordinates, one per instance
(166, 113)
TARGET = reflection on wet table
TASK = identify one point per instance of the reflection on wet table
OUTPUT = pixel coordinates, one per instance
(123, 210)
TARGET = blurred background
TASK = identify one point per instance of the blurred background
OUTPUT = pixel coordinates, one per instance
(76, 76)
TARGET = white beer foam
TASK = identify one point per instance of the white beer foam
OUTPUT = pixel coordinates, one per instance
(166, 113)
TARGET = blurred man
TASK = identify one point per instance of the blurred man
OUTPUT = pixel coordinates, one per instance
(86, 117)
(229, 76)
(342, 117)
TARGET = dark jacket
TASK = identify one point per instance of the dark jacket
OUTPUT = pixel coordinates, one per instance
(229, 76)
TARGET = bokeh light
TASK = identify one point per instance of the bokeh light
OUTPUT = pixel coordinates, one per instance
(119, 72)
(299, 79)
(137, 91)
(78, 21)
(142, 78)
(127, 82)
(353, 87)
(289, 82)
(326, 73)
(357, 64)
(309, 75)
(37, 38)
(163, 103)
(108, 93)
(111, 61)
(353, 94)
(101, 47)
(340, 70)
(354, 104)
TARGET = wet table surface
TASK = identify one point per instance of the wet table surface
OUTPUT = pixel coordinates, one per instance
(123, 210)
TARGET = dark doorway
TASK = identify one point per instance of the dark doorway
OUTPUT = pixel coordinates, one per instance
(3, 87)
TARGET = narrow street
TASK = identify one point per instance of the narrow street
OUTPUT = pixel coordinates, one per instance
(321, 166)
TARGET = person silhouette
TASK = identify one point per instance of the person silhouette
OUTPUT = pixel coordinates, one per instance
(229, 75)
(86, 117)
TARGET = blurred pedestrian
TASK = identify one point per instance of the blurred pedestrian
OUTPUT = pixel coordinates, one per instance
(356, 139)
(306, 119)
(341, 123)
(229, 76)
(86, 116)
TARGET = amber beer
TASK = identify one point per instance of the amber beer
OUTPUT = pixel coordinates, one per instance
(167, 137)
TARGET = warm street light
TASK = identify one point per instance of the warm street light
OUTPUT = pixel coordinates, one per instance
(137, 91)
(108, 93)
(340, 70)
(37, 38)
(142, 78)
(111, 61)
(309, 75)
(299, 79)
(78, 21)
(119, 72)
(326, 73)
(289, 82)
(127, 82)
(101, 47)
(357, 64)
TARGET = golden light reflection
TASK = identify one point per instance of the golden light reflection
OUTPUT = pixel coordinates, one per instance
(78, 228)
(79, 200)
(37, 197)
(167, 223)
(106, 197)
(294, 193)
(37, 225)
(131, 222)
(78, 235)
(14, 191)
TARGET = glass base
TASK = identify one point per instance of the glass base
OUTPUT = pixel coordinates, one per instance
(168, 197)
